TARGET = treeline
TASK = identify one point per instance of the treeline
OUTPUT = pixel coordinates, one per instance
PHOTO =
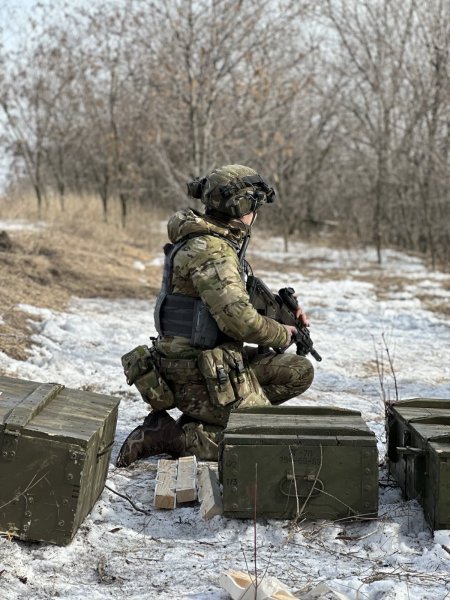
(344, 105)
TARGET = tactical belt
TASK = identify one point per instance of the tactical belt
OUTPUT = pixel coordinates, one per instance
(178, 363)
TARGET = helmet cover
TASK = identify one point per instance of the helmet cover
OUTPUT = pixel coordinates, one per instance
(232, 190)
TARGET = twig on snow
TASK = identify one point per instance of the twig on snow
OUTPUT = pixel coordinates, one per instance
(391, 365)
(125, 497)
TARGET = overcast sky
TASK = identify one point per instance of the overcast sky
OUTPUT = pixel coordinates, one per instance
(13, 18)
(14, 15)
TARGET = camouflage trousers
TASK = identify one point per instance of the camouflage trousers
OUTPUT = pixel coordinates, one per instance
(268, 379)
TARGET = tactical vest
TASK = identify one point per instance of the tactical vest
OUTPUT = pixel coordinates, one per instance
(186, 316)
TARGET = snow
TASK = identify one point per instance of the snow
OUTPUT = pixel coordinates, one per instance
(121, 552)
(139, 265)
(21, 225)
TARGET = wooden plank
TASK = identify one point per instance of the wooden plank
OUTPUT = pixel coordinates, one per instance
(166, 476)
(209, 494)
(186, 484)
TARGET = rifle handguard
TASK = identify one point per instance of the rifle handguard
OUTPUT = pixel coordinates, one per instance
(281, 307)
(302, 339)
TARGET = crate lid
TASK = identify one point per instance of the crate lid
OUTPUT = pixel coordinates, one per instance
(434, 403)
(281, 424)
(51, 409)
(423, 411)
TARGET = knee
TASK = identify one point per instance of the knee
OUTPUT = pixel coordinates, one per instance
(308, 374)
(304, 373)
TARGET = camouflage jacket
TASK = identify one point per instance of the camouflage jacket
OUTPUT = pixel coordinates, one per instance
(208, 266)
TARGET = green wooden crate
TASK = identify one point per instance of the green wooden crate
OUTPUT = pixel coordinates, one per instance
(317, 462)
(419, 454)
(55, 445)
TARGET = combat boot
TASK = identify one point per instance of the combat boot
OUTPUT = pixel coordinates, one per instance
(159, 434)
(201, 439)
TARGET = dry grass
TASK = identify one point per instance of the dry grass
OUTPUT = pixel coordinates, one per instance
(76, 254)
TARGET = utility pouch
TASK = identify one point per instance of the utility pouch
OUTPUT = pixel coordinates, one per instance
(216, 371)
(239, 374)
(141, 369)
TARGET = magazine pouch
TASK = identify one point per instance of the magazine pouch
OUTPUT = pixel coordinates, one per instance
(216, 371)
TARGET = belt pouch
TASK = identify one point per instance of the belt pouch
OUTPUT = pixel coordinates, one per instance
(216, 372)
(141, 370)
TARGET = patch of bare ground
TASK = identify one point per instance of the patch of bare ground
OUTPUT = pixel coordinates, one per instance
(387, 285)
(306, 267)
(437, 305)
(73, 256)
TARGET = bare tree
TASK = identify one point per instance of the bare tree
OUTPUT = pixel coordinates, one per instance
(373, 38)
(344, 105)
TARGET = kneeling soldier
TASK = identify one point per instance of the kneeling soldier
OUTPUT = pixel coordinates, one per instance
(203, 315)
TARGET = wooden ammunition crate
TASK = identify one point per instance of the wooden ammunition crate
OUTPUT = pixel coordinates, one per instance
(283, 462)
(55, 446)
(419, 454)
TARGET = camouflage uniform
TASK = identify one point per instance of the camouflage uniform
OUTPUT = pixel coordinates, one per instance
(206, 381)
(208, 266)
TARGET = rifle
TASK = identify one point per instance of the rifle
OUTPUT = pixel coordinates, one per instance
(281, 307)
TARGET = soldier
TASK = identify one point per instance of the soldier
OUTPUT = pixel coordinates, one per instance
(203, 316)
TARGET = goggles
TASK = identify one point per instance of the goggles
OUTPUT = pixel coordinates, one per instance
(263, 192)
(236, 198)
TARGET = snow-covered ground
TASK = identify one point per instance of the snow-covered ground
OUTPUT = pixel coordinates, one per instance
(21, 225)
(120, 552)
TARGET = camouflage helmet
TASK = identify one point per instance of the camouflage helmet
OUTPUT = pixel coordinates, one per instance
(232, 190)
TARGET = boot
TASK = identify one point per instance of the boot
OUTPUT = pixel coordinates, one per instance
(201, 439)
(159, 434)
